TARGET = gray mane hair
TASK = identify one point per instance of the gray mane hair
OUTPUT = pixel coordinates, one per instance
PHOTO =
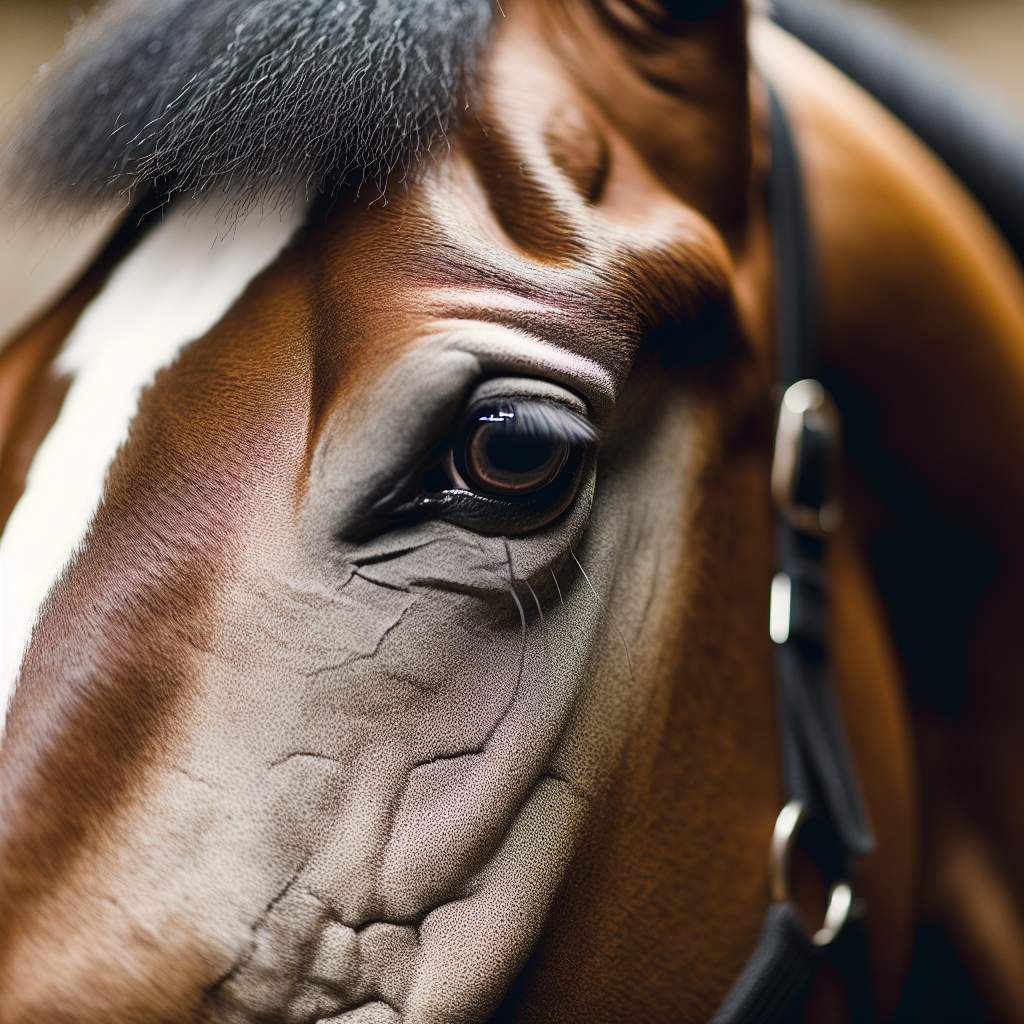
(249, 97)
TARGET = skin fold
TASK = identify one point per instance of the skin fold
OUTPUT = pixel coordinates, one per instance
(275, 756)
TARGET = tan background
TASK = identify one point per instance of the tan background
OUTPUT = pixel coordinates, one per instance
(986, 37)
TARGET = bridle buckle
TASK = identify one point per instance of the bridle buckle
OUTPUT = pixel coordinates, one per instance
(841, 907)
(807, 467)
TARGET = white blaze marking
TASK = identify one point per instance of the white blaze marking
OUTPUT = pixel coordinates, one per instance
(173, 288)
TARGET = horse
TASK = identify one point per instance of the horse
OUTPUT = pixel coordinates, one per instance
(388, 534)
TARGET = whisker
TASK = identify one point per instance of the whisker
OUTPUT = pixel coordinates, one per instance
(543, 621)
(536, 600)
(554, 579)
(512, 585)
(615, 625)
(522, 615)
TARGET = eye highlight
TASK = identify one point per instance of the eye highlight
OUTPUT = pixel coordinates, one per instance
(515, 448)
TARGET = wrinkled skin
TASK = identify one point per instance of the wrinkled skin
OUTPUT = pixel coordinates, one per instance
(269, 762)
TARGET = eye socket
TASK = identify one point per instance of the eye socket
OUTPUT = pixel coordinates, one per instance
(498, 454)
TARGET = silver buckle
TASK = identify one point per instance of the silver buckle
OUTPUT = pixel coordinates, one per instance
(808, 411)
(840, 909)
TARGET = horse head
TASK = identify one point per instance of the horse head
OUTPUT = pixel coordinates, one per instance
(389, 532)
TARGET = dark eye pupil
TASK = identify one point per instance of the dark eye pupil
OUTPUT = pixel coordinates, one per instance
(515, 455)
(498, 460)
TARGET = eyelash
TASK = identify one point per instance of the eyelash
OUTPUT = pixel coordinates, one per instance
(535, 419)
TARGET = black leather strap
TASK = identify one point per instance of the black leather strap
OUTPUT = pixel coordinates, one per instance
(774, 984)
(796, 292)
(818, 772)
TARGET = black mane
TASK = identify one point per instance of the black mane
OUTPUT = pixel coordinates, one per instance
(250, 96)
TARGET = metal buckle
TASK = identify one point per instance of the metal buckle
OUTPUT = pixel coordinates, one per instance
(840, 907)
(808, 444)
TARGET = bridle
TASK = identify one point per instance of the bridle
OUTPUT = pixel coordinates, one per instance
(823, 812)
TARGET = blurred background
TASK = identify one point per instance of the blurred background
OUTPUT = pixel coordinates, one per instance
(984, 37)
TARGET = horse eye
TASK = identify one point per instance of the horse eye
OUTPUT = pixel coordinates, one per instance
(494, 457)
(519, 449)
(511, 466)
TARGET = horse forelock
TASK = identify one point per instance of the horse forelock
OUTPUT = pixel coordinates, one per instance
(247, 98)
